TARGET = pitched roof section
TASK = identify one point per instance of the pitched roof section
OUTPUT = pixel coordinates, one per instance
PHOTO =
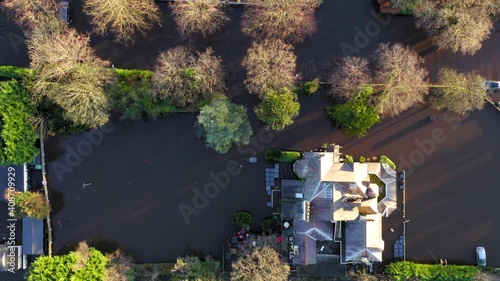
(318, 230)
(32, 236)
(363, 239)
(338, 192)
(304, 249)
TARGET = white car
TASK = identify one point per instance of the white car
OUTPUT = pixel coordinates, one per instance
(492, 85)
(481, 256)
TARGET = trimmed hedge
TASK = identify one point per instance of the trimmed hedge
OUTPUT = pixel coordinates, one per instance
(16, 72)
(385, 159)
(282, 155)
(362, 159)
(401, 271)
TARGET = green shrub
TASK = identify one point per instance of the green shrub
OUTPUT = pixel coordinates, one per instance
(402, 271)
(349, 159)
(17, 136)
(132, 96)
(267, 225)
(242, 218)
(16, 72)
(385, 159)
(311, 87)
(269, 155)
(362, 159)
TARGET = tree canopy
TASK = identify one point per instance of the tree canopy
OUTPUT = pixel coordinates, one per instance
(123, 18)
(119, 267)
(399, 71)
(270, 65)
(192, 268)
(459, 26)
(224, 124)
(458, 92)
(31, 204)
(357, 115)
(76, 82)
(289, 20)
(199, 16)
(83, 264)
(262, 264)
(186, 78)
(32, 14)
(398, 78)
(278, 108)
(242, 218)
(350, 75)
(18, 135)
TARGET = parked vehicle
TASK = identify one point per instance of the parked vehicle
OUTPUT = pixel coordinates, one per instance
(492, 85)
(481, 256)
(64, 11)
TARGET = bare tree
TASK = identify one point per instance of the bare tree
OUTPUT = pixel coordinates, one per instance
(401, 78)
(186, 78)
(122, 17)
(31, 13)
(460, 26)
(67, 71)
(349, 77)
(119, 267)
(290, 20)
(263, 263)
(82, 253)
(270, 65)
(458, 92)
(199, 16)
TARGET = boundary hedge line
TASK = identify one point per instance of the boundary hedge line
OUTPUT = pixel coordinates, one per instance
(401, 271)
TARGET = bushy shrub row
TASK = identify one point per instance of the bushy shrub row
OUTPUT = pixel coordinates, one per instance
(401, 271)
(385, 159)
(132, 96)
(77, 266)
(282, 155)
(16, 72)
(17, 135)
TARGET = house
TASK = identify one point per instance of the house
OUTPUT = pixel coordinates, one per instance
(334, 212)
(20, 239)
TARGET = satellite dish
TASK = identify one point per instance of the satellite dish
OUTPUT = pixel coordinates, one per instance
(286, 224)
